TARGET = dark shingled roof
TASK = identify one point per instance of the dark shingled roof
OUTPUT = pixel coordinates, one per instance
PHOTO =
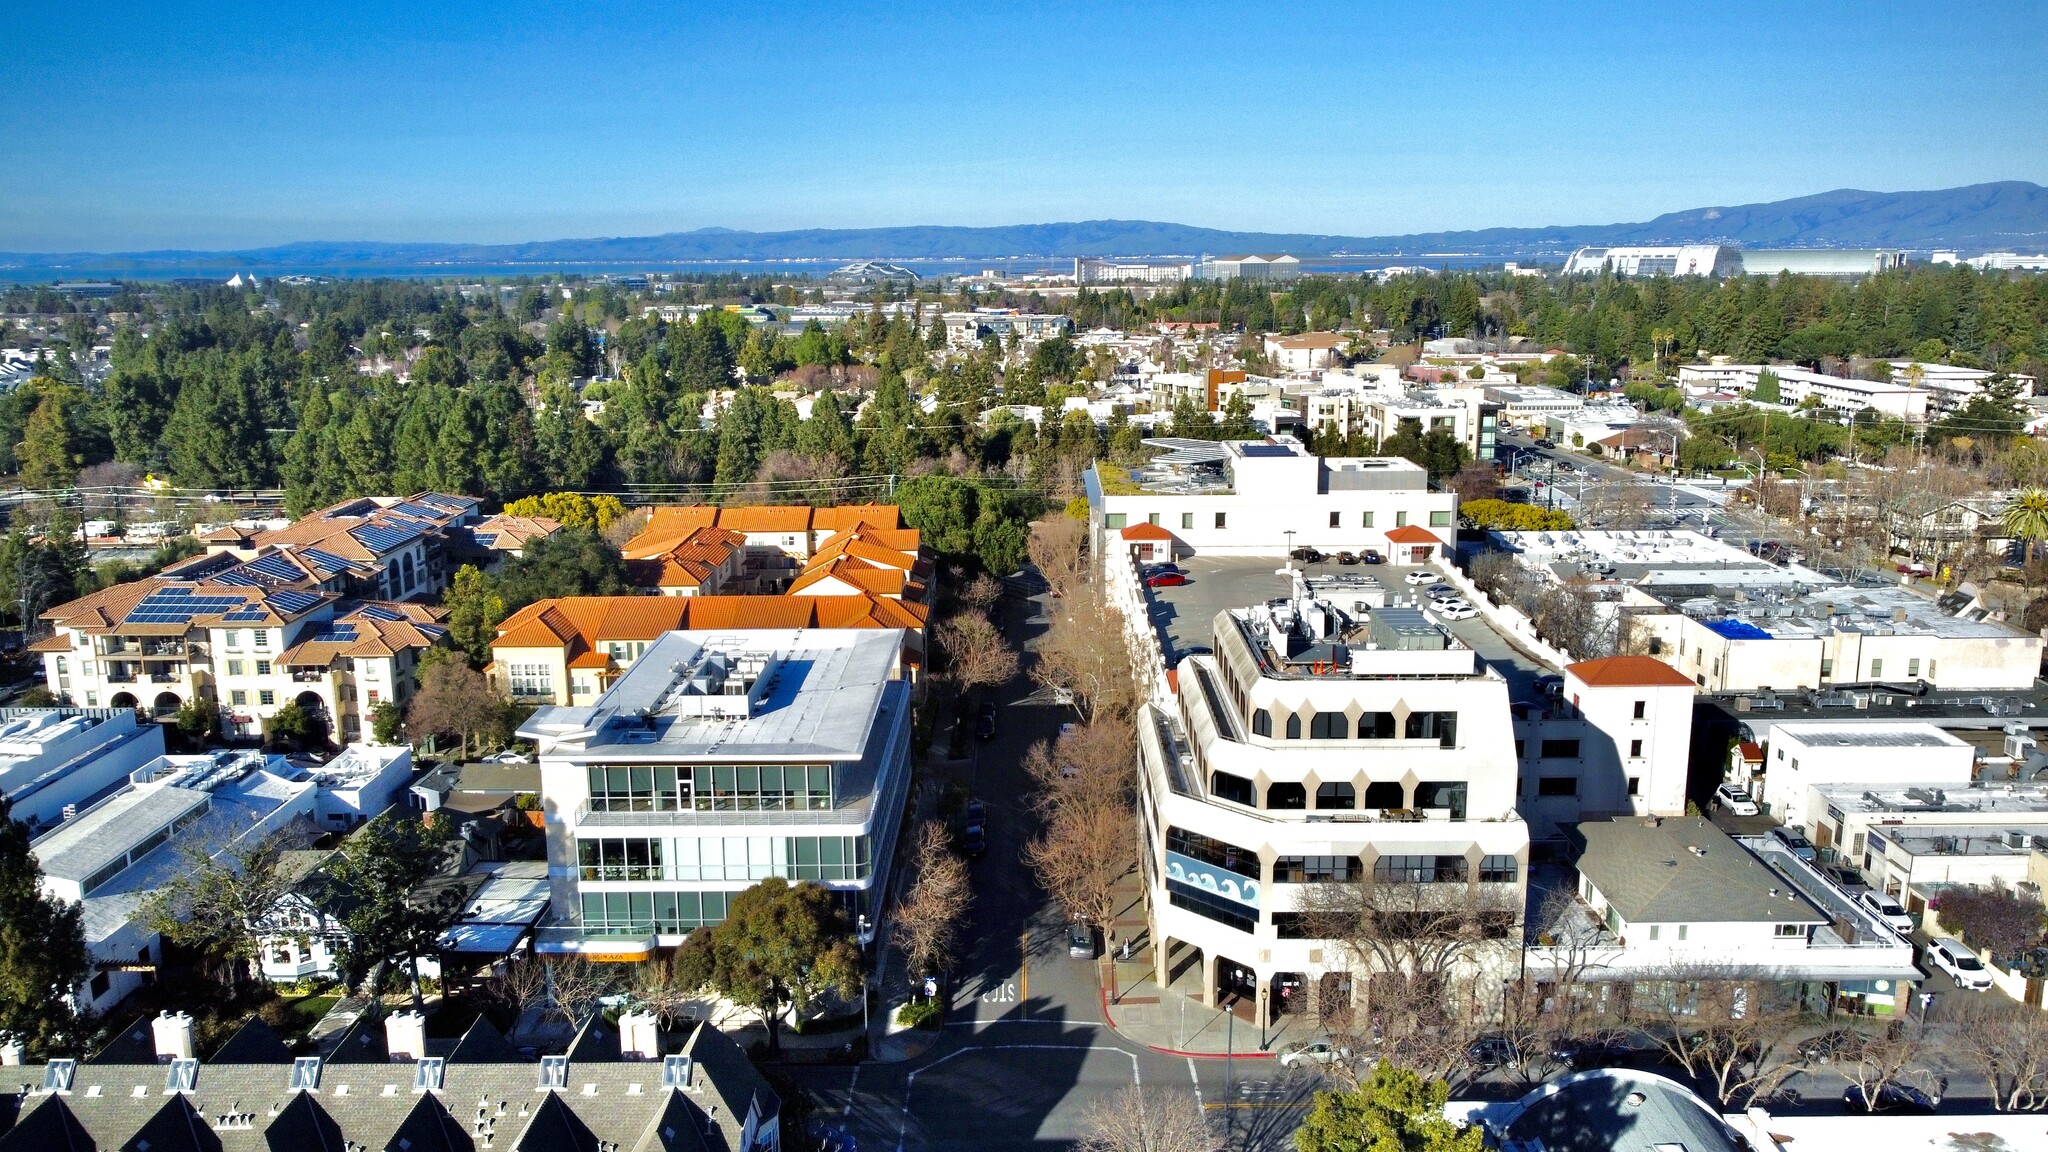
(303, 1126)
(253, 1043)
(49, 1127)
(361, 1043)
(484, 1044)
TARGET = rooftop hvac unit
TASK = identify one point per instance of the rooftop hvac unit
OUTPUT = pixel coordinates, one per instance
(2015, 839)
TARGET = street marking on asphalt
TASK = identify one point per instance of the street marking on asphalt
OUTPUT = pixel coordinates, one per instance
(849, 1090)
(910, 1082)
(1024, 965)
(1195, 1080)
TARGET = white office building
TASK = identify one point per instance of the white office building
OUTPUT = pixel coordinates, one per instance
(1804, 754)
(1616, 742)
(717, 760)
(1798, 385)
(1313, 748)
(1263, 497)
(1903, 834)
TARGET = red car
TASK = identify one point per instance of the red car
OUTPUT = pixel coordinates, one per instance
(1165, 580)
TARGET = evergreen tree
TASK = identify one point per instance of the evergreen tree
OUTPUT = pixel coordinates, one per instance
(43, 959)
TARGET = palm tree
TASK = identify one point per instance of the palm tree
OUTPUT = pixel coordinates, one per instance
(2026, 520)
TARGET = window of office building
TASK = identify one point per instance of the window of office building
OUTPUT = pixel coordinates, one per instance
(759, 857)
(1497, 869)
(1329, 726)
(1113, 519)
(1290, 926)
(642, 912)
(1385, 794)
(634, 858)
(1365, 519)
(1559, 750)
(1376, 726)
(1439, 519)
(1286, 797)
(711, 787)
(1220, 519)
(1212, 851)
(1226, 786)
(1420, 870)
(1400, 519)
(1262, 722)
(1224, 911)
(1439, 726)
(1187, 520)
(1317, 870)
(1442, 794)
(1557, 786)
(1336, 794)
(1293, 727)
(1336, 519)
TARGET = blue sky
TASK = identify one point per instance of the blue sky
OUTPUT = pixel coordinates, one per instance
(139, 126)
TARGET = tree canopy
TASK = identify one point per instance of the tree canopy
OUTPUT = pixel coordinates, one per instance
(1393, 1110)
(779, 948)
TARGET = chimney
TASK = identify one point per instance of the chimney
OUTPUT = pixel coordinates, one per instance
(173, 1036)
(639, 1039)
(10, 1051)
(405, 1036)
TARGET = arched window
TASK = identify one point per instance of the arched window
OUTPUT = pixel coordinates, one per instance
(1293, 727)
(1329, 726)
(1385, 794)
(1336, 795)
(1262, 722)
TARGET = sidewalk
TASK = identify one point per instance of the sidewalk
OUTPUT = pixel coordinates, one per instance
(1174, 1020)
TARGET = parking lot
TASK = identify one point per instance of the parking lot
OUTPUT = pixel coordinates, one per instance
(1185, 615)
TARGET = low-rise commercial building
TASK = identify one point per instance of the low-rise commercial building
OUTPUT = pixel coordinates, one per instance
(1806, 753)
(716, 760)
(1263, 497)
(54, 761)
(1665, 903)
(1312, 749)
(1904, 834)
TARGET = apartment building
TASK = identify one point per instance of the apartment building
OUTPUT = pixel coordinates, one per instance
(1312, 749)
(375, 547)
(242, 639)
(1306, 352)
(719, 759)
(966, 330)
(571, 650)
(1804, 754)
(57, 760)
(1264, 497)
(1951, 386)
(778, 540)
(690, 562)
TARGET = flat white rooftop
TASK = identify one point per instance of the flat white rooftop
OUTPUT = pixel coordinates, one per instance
(2017, 799)
(704, 695)
(1825, 735)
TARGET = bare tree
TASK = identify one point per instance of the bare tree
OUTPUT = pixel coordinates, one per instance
(1080, 857)
(568, 987)
(1896, 1055)
(1147, 1120)
(1091, 765)
(1058, 548)
(981, 593)
(977, 656)
(1422, 940)
(1085, 652)
(932, 913)
(2007, 1043)
(225, 904)
(1715, 1024)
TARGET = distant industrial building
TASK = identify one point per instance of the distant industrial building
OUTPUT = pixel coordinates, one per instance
(1728, 260)
(874, 272)
(1252, 266)
(1129, 270)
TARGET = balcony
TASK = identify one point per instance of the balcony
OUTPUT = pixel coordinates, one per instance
(120, 677)
(849, 815)
(309, 675)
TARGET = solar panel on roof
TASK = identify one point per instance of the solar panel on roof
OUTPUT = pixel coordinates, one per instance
(376, 612)
(337, 634)
(293, 601)
(378, 538)
(487, 539)
(276, 566)
(1267, 450)
(246, 616)
(170, 592)
(239, 578)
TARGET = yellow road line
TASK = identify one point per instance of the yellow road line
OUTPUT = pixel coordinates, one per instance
(1024, 968)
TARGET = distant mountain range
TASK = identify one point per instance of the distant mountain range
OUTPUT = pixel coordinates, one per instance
(1979, 217)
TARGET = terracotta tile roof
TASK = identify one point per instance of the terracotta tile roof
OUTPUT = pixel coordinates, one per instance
(839, 519)
(1411, 534)
(582, 623)
(1628, 672)
(366, 631)
(1151, 532)
(679, 519)
(854, 573)
(505, 533)
(1752, 753)
(767, 518)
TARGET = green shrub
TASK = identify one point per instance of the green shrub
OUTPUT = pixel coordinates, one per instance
(920, 1014)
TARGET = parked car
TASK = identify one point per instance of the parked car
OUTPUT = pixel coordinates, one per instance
(1489, 1052)
(1166, 580)
(1157, 569)
(1371, 556)
(974, 843)
(1890, 1096)
(1734, 800)
(1795, 843)
(1888, 910)
(1545, 442)
(509, 756)
(1830, 1046)
(1347, 557)
(975, 816)
(1312, 1052)
(1457, 610)
(1551, 685)
(1080, 942)
(1847, 878)
(1420, 576)
(1307, 555)
(1439, 591)
(1591, 1052)
(1955, 958)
